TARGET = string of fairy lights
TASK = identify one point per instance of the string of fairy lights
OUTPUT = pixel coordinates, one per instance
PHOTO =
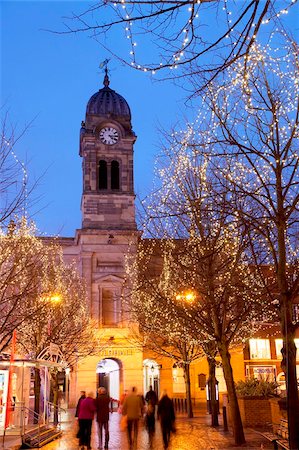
(184, 36)
(24, 172)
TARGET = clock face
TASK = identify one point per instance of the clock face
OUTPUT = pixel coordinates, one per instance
(109, 135)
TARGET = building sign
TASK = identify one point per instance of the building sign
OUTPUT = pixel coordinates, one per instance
(3, 395)
(117, 352)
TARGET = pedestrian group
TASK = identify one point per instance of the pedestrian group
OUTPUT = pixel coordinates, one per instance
(132, 407)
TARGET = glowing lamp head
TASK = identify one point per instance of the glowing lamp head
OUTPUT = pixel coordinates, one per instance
(55, 298)
(187, 296)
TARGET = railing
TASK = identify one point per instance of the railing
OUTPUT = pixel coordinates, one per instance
(180, 404)
(52, 414)
(22, 419)
(26, 419)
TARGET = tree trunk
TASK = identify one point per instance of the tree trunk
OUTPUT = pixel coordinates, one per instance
(287, 327)
(232, 396)
(37, 385)
(188, 390)
(212, 385)
(289, 367)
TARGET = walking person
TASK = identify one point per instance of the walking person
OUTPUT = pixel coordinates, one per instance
(102, 403)
(150, 423)
(82, 397)
(133, 409)
(86, 414)
(151, 400)
(166, 416)
(122, 399)
(151, 397)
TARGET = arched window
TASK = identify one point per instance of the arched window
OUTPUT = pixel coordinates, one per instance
(102, 174)
(114, 175)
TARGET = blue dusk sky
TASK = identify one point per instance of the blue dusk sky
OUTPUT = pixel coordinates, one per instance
(47, 80)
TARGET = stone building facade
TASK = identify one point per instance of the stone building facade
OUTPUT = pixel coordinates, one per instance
(108, 232)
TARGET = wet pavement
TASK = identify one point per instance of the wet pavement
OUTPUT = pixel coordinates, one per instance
(191, 434)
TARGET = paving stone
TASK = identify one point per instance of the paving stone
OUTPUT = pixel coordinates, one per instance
(191, 434)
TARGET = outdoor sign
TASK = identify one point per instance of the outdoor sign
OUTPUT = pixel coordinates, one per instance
(3, 395)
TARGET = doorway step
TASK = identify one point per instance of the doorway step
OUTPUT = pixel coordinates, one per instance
(40, 436)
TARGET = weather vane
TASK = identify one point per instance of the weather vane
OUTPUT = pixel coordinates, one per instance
(104, 64)
(101, 66)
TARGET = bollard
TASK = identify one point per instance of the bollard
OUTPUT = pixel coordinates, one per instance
(225, 428)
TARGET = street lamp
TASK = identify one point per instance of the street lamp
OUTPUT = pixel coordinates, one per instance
(187, 296)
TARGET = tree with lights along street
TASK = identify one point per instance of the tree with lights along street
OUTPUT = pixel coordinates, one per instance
(63, 319)
(252, 141)
(43, 299)
(23, 258)
(152, 305)
(205, 255)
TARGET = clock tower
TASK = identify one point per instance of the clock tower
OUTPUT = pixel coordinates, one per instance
(106, 146)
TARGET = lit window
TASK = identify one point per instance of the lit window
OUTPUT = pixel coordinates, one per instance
(259, 349)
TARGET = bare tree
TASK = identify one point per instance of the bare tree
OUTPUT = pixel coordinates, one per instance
(253, 143)
(200, 38)
(63, 320)
(203, 249)
(154, 308)
(23, 262)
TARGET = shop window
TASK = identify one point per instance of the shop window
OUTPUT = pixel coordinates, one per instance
(278, 348)
(259, 349)
(102, 174)
(114, 175)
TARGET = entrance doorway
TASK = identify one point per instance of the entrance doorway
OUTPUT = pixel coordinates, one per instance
(108, 376)
(151, 375)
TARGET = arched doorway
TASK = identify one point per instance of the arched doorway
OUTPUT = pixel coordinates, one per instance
(108, 376)
(151, 375)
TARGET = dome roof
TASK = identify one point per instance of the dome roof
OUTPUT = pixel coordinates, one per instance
(107, 102)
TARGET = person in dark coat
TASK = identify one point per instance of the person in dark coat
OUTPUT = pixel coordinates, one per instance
(151, 397)
(82, 396)
(102, 403)
(151, 400)
(86, 415)
(166, 416)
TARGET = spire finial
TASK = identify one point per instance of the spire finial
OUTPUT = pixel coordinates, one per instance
(106, 78)
(106, 81)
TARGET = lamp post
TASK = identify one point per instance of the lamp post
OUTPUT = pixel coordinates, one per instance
(188, 297)
(67, 375)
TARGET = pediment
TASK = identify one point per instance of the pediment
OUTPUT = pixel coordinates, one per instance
(114, 279)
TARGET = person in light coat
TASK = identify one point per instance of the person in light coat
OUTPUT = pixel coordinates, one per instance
(133, 409)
